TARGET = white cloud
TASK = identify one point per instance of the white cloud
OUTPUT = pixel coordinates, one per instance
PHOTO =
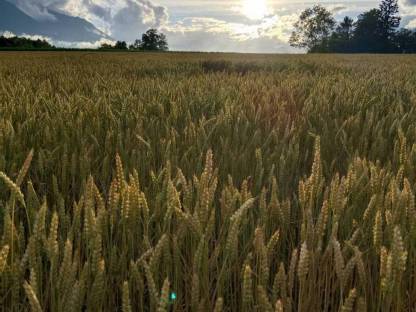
(204, 25)
(121, 19)
(59, 43)
(222, 42)
(135, 18)
(38, 9)
(81, 44)
(273, 26)
(408, 13)
(9, 34)
(127, 19)
(209, 34)
(6, 33)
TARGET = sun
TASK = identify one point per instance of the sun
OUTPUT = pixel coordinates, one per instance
(254, 9)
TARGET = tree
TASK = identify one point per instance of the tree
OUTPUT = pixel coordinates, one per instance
(345, 28)
(313, 29)
(367, 33)
(340, 39)
(24, 43)
(106, 46)
(121, 45)
(389, 21)
(375, 31)
(135, 45)
(152, 40)
(405, 41)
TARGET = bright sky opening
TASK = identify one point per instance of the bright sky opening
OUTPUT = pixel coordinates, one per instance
(254, 9)
(258, 26)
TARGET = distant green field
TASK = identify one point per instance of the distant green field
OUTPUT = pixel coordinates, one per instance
(202, 182)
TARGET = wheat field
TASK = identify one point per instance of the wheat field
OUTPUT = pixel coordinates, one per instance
(207, 182)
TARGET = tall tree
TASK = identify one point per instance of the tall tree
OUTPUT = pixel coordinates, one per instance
(313, 28)
(389, 22)
(135, 45)
(389, 18)
(340, 40)
(405, 41)
(375, 31)
(24, 43)
(121, 45)
(345, 28)
(152, 40)
(367, 33)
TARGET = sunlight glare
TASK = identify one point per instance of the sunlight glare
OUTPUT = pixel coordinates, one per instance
(254, 9)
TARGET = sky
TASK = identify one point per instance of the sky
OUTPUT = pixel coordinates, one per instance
(205, 25)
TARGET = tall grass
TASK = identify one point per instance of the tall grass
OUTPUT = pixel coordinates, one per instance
(193, 182)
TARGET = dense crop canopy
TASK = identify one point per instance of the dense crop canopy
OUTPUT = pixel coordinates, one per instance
(194, 182)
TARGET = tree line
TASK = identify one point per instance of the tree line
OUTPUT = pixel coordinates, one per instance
(152, 40)
(24, 43)
(375, 31)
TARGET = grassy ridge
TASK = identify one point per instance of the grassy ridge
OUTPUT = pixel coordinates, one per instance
(233, 182)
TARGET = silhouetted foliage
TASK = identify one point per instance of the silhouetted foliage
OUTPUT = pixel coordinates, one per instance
(313, 27)
(405, 41)
(135, 45)
(106, 46)
(24, 43)
(119, 45)
(345, 28)
(367, 33)
(152, 40)
(374, 31)
(338, 41)
(389, 19)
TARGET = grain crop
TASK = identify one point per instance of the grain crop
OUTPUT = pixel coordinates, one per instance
(207, 182)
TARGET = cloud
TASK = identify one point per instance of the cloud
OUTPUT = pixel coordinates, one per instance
(209, 34)
(122, 19)
(222, 42)
(81, 44)
(136, 17)
(408, 13)
(38, 9)
(10, 34)
(204, 25)
(60, 43)
(338, 9)
(408, 2)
